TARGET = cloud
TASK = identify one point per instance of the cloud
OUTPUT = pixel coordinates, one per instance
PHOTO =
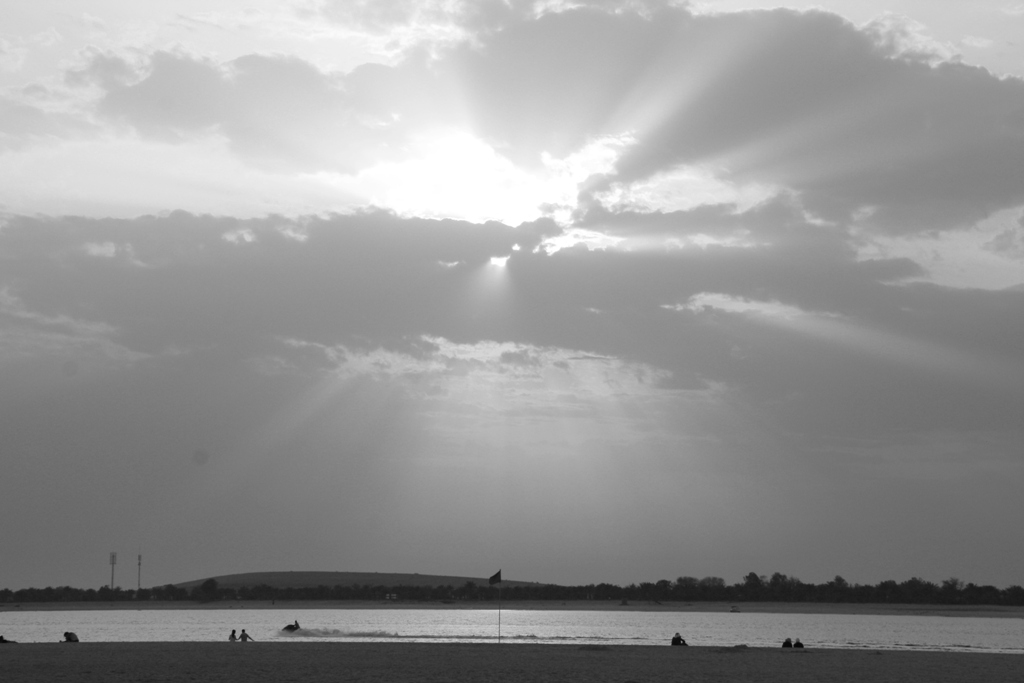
(865, 127)
(373, 280)
(15, 49)
(902, 37)
(275, 111)
(853, 121)
(22, 123)
(271, 109)
(440, 21)
(379, 367)
(12, 55)
(712, 292)
(429, 20)
(35, 116)
(1009, 242)
(355, 261)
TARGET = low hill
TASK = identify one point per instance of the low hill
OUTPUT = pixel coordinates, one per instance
(314, 579)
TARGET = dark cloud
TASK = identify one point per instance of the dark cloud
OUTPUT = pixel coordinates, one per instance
(369, 276)
(316, 359)
(802, 100)
(294, 289)
(1009, 242)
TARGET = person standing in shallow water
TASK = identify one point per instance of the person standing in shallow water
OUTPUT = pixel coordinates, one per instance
(245, 637)
(232, 638)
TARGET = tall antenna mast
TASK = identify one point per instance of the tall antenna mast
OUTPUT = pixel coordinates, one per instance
(139, 586)
(113, 561)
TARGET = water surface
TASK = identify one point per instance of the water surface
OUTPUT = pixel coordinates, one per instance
(882, 632)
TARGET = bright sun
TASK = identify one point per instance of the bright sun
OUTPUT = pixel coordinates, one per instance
(455, 175)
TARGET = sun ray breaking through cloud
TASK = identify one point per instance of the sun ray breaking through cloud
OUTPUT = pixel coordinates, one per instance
(383, 277)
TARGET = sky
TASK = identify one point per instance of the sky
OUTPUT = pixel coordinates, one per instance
(595, 291)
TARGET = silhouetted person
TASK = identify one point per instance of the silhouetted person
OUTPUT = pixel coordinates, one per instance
(232, 638)
(292, 627)
(798, 643)
(70, 637)
(787, 643)
(678, 640)
(245, 637)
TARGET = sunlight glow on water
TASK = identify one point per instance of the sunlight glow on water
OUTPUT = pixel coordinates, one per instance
(524, 626)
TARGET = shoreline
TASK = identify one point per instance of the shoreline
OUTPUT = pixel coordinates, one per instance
(989, 611)
(408, 662)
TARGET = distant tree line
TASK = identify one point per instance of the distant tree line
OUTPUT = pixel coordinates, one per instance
(753, 588)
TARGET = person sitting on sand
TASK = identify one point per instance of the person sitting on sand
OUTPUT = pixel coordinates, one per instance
(232, 638)
(245, 637)
(787, 643)
(70, 637)
(797, 643)
(678, 640)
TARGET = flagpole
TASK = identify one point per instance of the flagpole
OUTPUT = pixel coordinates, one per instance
(496, 579)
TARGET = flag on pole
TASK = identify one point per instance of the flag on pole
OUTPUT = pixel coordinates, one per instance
(496, 579)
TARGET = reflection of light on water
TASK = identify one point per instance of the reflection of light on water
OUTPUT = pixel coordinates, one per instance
(334, 633)
(719, 629)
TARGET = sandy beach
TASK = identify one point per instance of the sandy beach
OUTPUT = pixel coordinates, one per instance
(400, 662)
(637, 606)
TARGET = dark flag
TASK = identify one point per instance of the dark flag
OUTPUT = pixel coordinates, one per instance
(494, 579)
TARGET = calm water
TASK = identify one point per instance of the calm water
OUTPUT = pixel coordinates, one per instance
(526, 626)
